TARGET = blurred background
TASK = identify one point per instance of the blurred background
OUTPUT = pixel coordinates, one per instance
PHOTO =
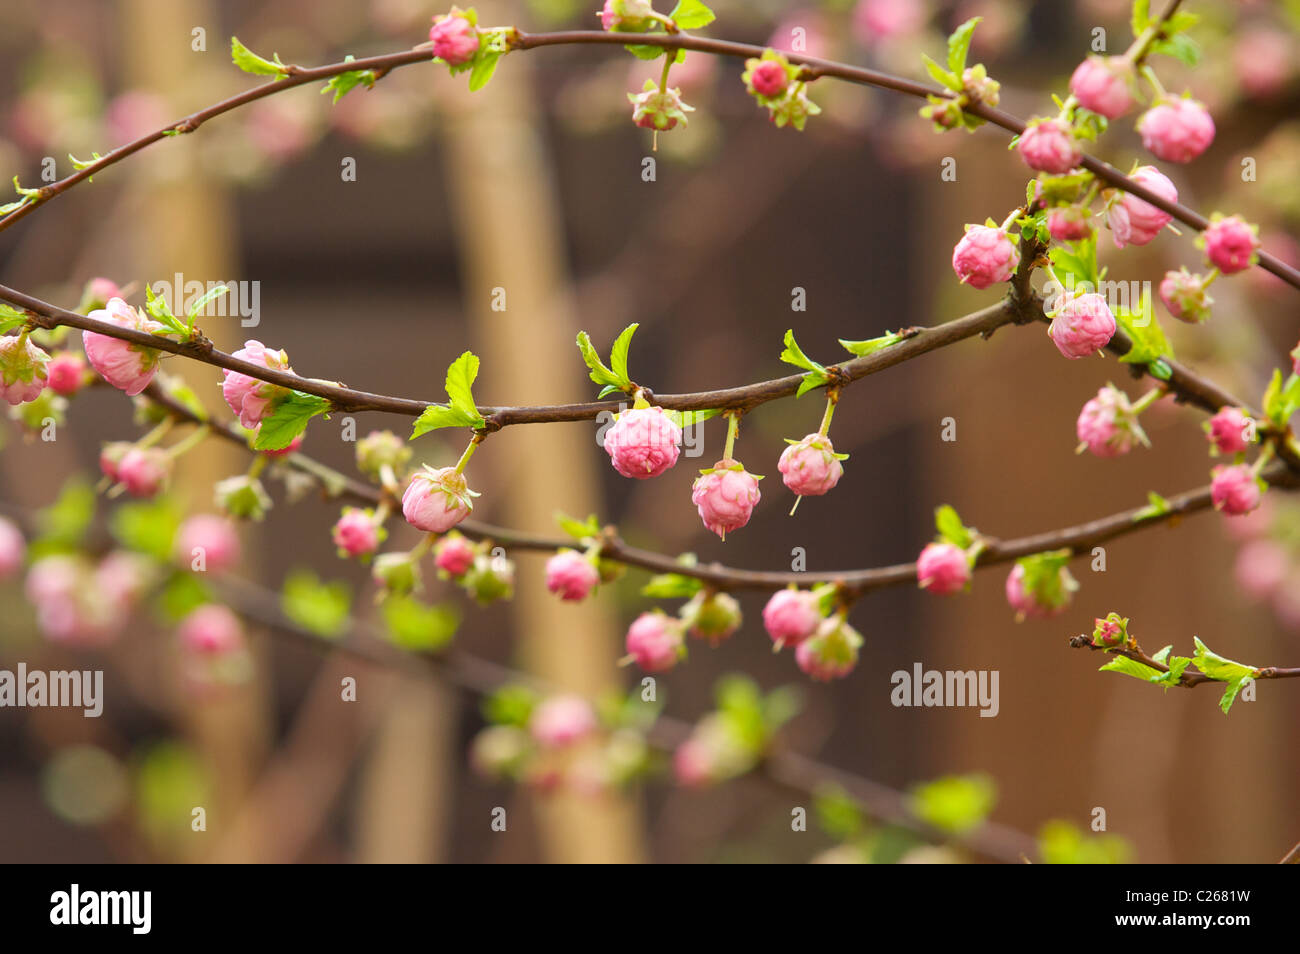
(535, 185)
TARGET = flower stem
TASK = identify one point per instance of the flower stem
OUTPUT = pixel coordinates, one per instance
(668, 65)
(1265, 455)
(423, 547)
(469, 452)
(733, 428)
(832, 398)
(259, 464)
(1146, 400)
(1150, 75)
(157, 434)
(194, 440)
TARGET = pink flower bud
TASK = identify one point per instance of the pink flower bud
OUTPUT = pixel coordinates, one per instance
(880, 20)
(711, 616)
(725, 496)
(125, 577)
(1069, 223)
(491, 578)
(943, 568)
(455, 40)
(250, 398)
(437, 500)
(128, 367)
(454, 555)
(1185, 296)
(1263, 60)
(355, 533)
(1107, 425)
(1176, 130)
(767, 78)
(643, 442)
(103, 290)
(791, 616)
(1235, 490)
(1111, 631)
(110, 457)
(211, 630)
(693, 763)
(571, 575)
(380, 449)
(1104, 85)
(1083, 325)
(810, 467)
(12, 549)
(1133, 221)
(627, 16)
(1231, 243)
(242, 497)
(654, 642)
(23, 369)
(1049, 145)
(1229, 431)
(562, 721)
(144, 470)
(1048, 601)
(831, 652)
(657, 109)
(1261, 567)
(985, 256)
(208, 541)
(67, 371)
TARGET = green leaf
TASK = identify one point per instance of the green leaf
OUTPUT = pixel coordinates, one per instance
(600, 374)
(1142, 326)
(618, 354)
(485, 64)
(691, 15)
(954, 804)
(1131, 667)
(1077, 259)
(684, 419)
(838, 814)
(10, 319)
(1157, 506)
(578, 529)
(644, 51)
(1061, 843)
(1181, 47)
(794, 355)
(148, 527)
(203, 301)
(419, 628)
(940, 75)
(1235, 674)
(1281, 400)
(871, 345)
(950, 527)
(460, 381)
(672, 586)
(250, 62)
(181, 595)
(345, 83)
(1141, 18)
(437, 416)
(288, 419)
(510, 705)
(68, 518)
(320, 608)
(959, 45)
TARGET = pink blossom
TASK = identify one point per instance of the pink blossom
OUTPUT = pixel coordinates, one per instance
(1185, 296)
(1263, 60)
(437, 500)
(943, 568)
(144, 470)
(211, 630)
(1107, 425)
(1228, 430)
(643, 442)
(725, 496)
(23, 369)
(124, 577)
(210, 541)
(562, 721)
(831, 652)
(1049, 145)
(1176, 130)
(571, 575)
(768, 78)
(12, 549)
(248, 397)
(1134, 221)
(654, 642)
(1235, 490)
(1104, 85)
(127, 366)
(1031, 605)
(454, 555)
(1261, 567)
(693, 763)
(881, 20)
(711, 616)
(984, 256)
(67, 371)
(1082, 326)
(810, 467)
(455, 40)
(1231, 243)
(627, 16)
(1069, 223)
(355, 532)
(791, 616)
(110, 457)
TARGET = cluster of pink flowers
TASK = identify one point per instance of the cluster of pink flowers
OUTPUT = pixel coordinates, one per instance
(251, 399)
(437, 500)
(454, 37)
(1108, 425)
(985, 256)
(1082, 326)
(127, 366)
(24, 369)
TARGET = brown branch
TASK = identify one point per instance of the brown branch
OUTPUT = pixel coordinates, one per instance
(1190, 678)
(519, 40)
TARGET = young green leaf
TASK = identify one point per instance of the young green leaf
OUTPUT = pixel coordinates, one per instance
(202, 302)
(691, 15)
(940, 75)
(959, 45)
(1131, 667)
(320, 608)
(578, 529)
(437, 416)
(288, 418)
(1157, 506)
(871, 345)
(950, 527)
(618, 354)
(147, 527)
(1281, 400)
(485, 64)
(1142, 326)
(793, 354)
(345, 83)
(685, 419)
(671, 586)
(601, 374)
(954, 804)
(1141, 18)
(460, 411)
(250, 62)
(415, 627)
